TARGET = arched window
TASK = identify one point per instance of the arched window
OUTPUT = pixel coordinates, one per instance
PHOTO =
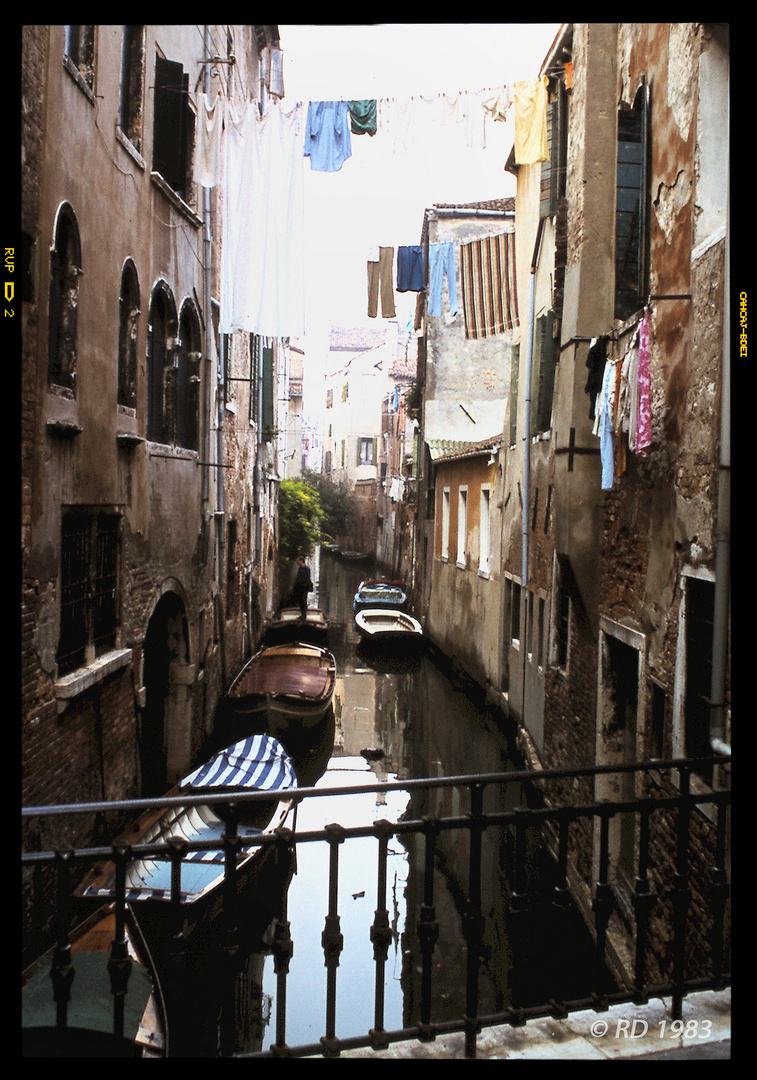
(161, 335)
(631, 209)
(65, 271)
(189, 354)
(127, 336)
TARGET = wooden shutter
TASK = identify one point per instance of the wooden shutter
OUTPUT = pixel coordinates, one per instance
(171, 123)
(267, 402)
(513, 403)
(542, 375)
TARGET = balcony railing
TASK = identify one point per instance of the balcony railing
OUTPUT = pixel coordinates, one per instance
(680, 841)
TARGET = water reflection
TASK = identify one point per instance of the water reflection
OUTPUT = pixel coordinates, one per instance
(396, 717)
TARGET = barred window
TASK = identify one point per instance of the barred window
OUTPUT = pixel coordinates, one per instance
(89, 573)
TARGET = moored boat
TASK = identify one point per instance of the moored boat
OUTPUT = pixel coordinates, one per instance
(379, 593)
(388, 626)
(258, 764)
(288, 625)
(282, 686)
(92, 1025)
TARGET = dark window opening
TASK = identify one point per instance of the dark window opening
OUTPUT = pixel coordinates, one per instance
(189, 356)
(132, 84)
(90, 543)
(631, 213)
(79, 48)
(127, 337)
(160, 379)
(65, 271)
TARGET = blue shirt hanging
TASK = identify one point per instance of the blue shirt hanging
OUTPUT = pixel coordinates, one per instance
(328, 143)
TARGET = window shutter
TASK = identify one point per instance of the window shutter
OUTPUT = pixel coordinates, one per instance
(374, 451)
(171, 123)
(513, 403)
(543, 375)
(549, 167)
(267, 393)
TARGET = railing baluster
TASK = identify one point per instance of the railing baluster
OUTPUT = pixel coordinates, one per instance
(719, 892)
(381, 935)
(642, 901)
(119, 965)
(681, 893)
(283, 950)
(473, 921)
(602, 906)
(61, 971)
(332, 940)
(517, 909)
(229, 941)
(428, 927)
(560, 907)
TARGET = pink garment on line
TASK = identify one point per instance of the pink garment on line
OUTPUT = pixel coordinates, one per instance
(644, 423)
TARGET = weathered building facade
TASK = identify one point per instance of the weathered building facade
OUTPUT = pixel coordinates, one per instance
(463, 385)
(619, 445)
(149, 452)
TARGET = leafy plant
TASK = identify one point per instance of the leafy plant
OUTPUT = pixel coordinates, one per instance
(300, 516)
(337, 503)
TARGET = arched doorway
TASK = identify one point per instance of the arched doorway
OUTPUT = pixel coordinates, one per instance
(167, 679)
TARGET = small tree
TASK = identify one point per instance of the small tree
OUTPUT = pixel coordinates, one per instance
(300, 516)
(337, 502)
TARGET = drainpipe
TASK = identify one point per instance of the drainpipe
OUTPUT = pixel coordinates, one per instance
(723, 537)
(208, 312)
(527, 460)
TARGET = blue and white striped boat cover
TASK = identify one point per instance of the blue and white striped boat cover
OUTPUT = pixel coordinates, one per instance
(257, 763)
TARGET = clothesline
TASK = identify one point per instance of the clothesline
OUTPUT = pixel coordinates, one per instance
(259, 159)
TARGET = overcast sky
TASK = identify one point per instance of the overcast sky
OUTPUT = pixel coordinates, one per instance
(378, 197)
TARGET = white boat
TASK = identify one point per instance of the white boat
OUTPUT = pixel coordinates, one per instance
(289, 624)
(387, 625)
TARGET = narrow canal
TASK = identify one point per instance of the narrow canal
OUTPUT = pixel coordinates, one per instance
(400, 717)
(396, 717)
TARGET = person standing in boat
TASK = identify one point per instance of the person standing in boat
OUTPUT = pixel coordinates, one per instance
(303, 584)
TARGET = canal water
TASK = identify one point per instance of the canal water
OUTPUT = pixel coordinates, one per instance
(395, 717)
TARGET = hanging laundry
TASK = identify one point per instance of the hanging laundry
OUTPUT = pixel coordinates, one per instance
(628, 403)
(530, 110)
(644, 429)
(411, 272)
(595, 362)
(262, 264)
(488, 285)
(209, 128)
(363, 117)
(603, 426)
(498, 104)
(327, 135)
(380, 282)
(441, 262)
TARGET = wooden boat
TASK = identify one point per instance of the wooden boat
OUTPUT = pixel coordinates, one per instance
(379, 593)
(356, 556)
(90, 1030)
(280, 687)
(388, 626)
(258, 763)
(288, 625)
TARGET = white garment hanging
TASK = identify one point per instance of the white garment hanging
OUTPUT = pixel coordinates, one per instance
(209, 129)
(262, 261)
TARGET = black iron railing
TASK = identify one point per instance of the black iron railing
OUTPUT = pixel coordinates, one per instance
(679, 883)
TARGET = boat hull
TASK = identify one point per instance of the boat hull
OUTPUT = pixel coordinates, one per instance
(90, 1015)
(288, 626)
(386, 626)
(379, 593)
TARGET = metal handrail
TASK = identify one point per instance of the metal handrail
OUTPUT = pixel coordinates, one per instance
(547, 819)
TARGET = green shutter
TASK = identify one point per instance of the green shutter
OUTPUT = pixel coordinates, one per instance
(268, 419)
(513, 403)
(542, 374)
